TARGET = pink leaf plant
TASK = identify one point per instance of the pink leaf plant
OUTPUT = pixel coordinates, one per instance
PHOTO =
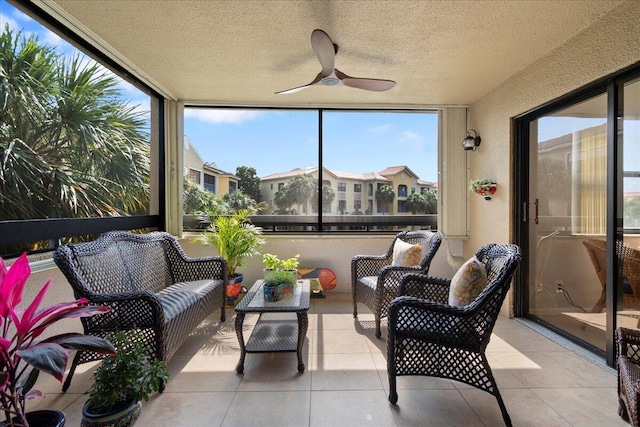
(22, 354)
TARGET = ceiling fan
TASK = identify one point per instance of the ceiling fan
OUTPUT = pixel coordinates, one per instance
(325, 51)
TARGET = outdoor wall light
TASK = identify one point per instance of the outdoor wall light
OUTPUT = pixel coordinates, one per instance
(471, 142)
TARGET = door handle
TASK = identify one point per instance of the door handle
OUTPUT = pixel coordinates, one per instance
(525, 210)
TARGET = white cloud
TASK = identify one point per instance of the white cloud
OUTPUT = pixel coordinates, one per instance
(52, 39)
(127, 87)
(379, 129)
(141, 106)
(409, 137)
(22, 17)
(13, 24)
(221, 116)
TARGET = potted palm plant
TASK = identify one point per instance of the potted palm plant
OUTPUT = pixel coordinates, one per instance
(235, 238)
(121, 382)
(23, 354)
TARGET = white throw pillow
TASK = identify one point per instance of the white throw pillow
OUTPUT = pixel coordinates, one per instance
(467, 283)
(406, 254)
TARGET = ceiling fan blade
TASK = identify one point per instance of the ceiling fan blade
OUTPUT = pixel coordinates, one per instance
(299, 88)
(376, 85)
(325, 51)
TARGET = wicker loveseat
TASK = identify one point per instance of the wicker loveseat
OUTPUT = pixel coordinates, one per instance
(152, 288)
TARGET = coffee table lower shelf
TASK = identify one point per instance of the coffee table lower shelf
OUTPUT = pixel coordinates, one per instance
(274, 333)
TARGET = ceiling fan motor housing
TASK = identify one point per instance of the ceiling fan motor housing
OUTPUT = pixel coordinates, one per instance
(330, 81)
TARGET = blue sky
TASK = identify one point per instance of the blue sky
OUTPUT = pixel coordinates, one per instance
(280, 140)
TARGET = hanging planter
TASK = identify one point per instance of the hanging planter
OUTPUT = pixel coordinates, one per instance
(484, 187)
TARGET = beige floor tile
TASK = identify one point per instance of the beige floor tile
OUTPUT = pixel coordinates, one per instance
(200, 373)
(277, 408)
(212, 339)
(350, 408)
(339, 341)
(344, 372)
(520, 339)
(203, 409)
(554, 369)
(434, 408)
(377, 345)
(275, 371)
(523, 406)
(335, 302)
(583, 406)
(337, 320)
(504, 322)
(504, 378)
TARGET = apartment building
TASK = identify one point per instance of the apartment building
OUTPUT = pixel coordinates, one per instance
(207, 175)
(354, 193)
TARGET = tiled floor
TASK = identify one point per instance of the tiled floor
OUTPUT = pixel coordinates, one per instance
(345, 384)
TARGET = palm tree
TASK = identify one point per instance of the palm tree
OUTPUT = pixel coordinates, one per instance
(70, 147)
(384, 196)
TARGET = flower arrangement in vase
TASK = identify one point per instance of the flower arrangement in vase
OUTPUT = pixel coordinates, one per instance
(484, 187)
(22, 353)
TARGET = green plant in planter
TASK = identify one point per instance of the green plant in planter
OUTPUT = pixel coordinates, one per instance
(291, 263)
(271, 261)
(128, 377)
(235, 238)
(278, 277)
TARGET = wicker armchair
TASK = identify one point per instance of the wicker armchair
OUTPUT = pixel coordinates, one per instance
(374, 281)
(628, 359)
(431, 338)
(629, 265)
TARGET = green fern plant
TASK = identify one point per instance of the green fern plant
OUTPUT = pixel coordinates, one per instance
(129, 376)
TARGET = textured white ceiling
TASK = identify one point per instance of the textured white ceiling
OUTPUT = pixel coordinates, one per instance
(241, 52)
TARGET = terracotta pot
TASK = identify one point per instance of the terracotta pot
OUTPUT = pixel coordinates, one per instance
(122, 417)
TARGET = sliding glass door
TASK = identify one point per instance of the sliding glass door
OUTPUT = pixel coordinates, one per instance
(628, 313)
(577, 202)
(568, 234)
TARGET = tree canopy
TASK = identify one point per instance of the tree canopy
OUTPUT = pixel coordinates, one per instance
(70, 146)
(249, 182)
(425, 203)
(384, 196)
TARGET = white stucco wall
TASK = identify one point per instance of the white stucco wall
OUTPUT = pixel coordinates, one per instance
(608, 45)
(330, 252)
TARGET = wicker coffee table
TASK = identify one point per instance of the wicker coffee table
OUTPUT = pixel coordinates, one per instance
(282, 325)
